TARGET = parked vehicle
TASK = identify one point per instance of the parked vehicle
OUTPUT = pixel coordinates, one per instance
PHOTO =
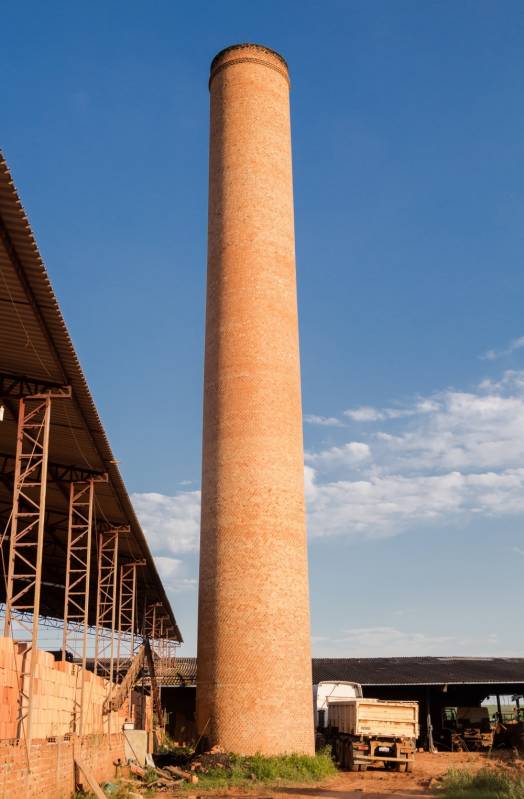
(367, 731)
(325, 691)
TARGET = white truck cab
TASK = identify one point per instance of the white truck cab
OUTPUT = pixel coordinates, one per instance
(325, 691)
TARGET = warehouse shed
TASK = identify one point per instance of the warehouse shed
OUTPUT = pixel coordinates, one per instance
(434, 682)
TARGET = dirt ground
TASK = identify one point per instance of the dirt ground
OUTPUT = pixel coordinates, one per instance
(376, 783)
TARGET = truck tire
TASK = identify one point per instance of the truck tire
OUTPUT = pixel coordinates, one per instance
(339, 752)
(350, 759)
(409, 767)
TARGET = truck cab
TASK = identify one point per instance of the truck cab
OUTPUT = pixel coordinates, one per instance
(326, 691)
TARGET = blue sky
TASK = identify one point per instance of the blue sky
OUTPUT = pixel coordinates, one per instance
(408, 138)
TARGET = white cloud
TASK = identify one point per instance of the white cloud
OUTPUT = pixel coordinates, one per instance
(453, 454)
(516, 344)
(355, 452)
(389, 641)
(384, 642)
(325, 421)
(365, 414)
(388, 504)
(171, 523)
(171, 571)
(463, 430)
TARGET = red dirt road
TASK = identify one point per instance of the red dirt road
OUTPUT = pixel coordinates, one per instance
(374, 783)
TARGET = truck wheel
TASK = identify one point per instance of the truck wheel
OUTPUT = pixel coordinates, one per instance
(350, 759)
(339, 753)
(363, 766)
(409, 767)
(400, 766)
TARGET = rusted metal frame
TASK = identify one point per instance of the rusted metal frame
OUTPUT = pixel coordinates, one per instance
(127, 615)
(106, 602)
(76, 595)
(27, 539)
(20, 386)
(126, 610)
(63, 473)
(150, 620)
(110, 527)
(155, 692)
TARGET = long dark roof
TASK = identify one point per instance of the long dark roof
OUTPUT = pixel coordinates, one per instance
(419, 670)
(392, 671)
(35, 343)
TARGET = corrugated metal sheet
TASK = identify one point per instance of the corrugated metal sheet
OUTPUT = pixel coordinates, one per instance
(420, 671)
(391, 671)
(35, 342)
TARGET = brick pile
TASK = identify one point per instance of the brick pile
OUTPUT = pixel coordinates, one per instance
(48, 769)
(55, 694)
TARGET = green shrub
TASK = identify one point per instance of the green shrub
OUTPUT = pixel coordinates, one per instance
(485, 784)
(259, 768)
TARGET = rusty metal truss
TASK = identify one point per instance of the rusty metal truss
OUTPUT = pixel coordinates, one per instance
(78, 566)
(28, 513)
(56, 472)
(127, 612)
(151, 620)
(20, 386)
(26, 542)
(76, 599)
(106, 602)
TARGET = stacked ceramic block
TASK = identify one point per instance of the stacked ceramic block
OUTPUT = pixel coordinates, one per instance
(56, 694)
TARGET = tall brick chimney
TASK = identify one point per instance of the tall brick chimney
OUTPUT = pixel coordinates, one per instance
(254, 662)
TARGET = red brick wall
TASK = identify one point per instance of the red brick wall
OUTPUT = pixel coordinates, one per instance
(52, 771)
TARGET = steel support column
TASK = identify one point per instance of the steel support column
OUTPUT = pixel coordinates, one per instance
(24, 571)
(127, 617)
(26, 544)
(76, 600)
(106, 602)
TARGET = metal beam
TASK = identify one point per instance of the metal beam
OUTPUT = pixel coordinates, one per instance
(20, 386)
(127, 610)
(106, 603)
(59, 472)
(76, 600)
(24, 571)
(127, 616)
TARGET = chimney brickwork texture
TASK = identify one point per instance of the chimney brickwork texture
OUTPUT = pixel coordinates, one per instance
(254, 688)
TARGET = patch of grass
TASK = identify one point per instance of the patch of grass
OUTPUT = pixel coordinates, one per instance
(169, 745)
(150, 775)
(485, 784)
(258, 768)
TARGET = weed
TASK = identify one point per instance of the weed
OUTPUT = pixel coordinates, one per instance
(150, 775)
(277, 769)
(485, 784)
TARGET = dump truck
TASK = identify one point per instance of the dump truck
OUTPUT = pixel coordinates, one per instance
(326, 691)
(364, 731)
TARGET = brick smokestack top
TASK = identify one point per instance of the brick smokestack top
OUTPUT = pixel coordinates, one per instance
(254, 661)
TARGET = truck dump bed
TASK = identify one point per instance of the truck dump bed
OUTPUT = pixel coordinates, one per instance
(374, 717)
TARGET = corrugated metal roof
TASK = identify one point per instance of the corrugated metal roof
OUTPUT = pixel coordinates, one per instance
(391, 671)
(35, 342)
(420, 670)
